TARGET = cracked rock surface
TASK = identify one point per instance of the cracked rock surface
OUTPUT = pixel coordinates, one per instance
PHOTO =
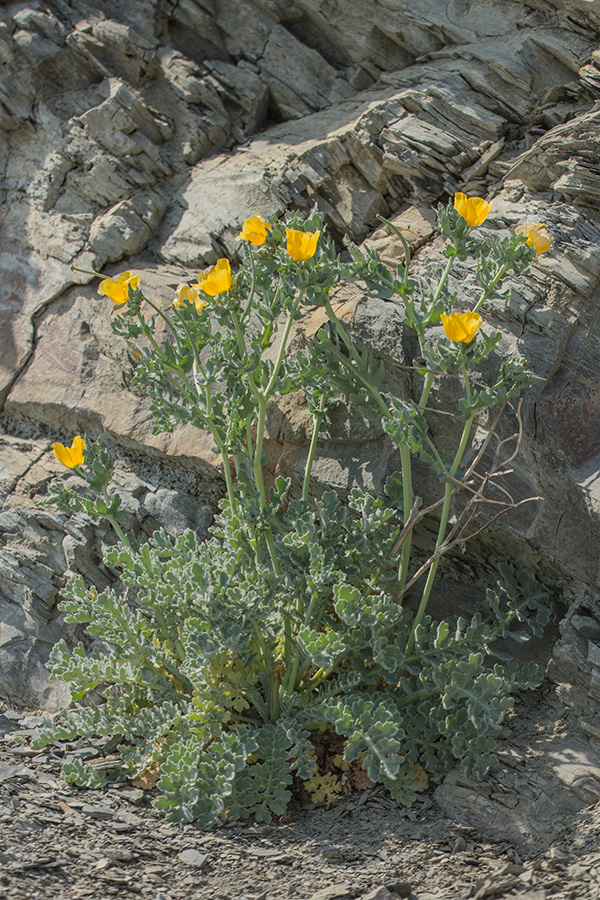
(140, 135)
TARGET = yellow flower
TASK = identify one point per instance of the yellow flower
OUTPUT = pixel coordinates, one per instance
(188, 293)
(461, 327)
(474, 210)
(118, 288)
(254, 230)
(301, 244)
(536, 235)
(216, 280)
(70, 456)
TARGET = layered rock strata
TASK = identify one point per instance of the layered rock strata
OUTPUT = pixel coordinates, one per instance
(141, 135)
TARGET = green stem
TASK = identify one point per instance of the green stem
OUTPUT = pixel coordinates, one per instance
(113, 521)
(252, 282)
(281, 354)
(443, 279)
(318, 416)
(197, 360)
(426, 390)
(166, 320)
(258, 450)
(242, 349)
(488, 290)
(355, 358)
(407, 490)
(405, 246)
(407, 502)
(119, 531)
(444, 517)
(86, 271)
(291, 675)
(260, 484)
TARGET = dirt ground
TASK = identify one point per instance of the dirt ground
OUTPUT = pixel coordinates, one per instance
(58, 842)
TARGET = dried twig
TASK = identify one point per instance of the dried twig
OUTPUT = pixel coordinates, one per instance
(478, 496)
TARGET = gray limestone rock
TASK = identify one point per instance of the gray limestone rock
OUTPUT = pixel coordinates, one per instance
(142, 135)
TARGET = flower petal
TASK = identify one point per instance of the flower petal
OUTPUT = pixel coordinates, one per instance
(217, 279)
(536, 235)
(474, 210)
(301, 245)
(70, 456)
(461, 327)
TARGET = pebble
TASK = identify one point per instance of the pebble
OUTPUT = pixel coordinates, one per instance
(97, 812)
(333, 892)
(193, 858)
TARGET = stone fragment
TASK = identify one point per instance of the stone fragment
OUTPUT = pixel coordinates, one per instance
(193, 857)
(380, 893)
(333, 892)
(97, 812)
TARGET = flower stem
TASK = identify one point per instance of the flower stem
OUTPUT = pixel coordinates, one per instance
(252, 282)
(317, 418)
(443, 279)
(444, 517)
(488, 290)
(86, 271)
(407, 502)
(355, 358)
(405, 460)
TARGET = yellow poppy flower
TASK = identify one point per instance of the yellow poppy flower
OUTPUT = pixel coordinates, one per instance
(474, 210)
(461, 327)
(301, 245)
(70, 456)
(536, 235)
(216, 280)
(254, 230)
(117, 289)
(188, 293)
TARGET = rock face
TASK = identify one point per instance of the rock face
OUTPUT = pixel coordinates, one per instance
(142, 134)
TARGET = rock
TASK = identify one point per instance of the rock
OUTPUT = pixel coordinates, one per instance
(97, 812)
(6, 725)
(399, 888)
(521, 805)
(333, 892)
(381, 893)
(128, 135)
(39, 547)
(299, 79)
(193, 857)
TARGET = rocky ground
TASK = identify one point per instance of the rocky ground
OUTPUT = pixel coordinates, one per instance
(59, 842)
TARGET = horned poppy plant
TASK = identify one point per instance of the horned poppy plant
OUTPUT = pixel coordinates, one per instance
(117, 289)
(536, 235)
(188, 293)
(474, 210)
(254, 230)
(70, 456)
(217, 279)
(230, 657)
(461, 327)
(301, 245)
